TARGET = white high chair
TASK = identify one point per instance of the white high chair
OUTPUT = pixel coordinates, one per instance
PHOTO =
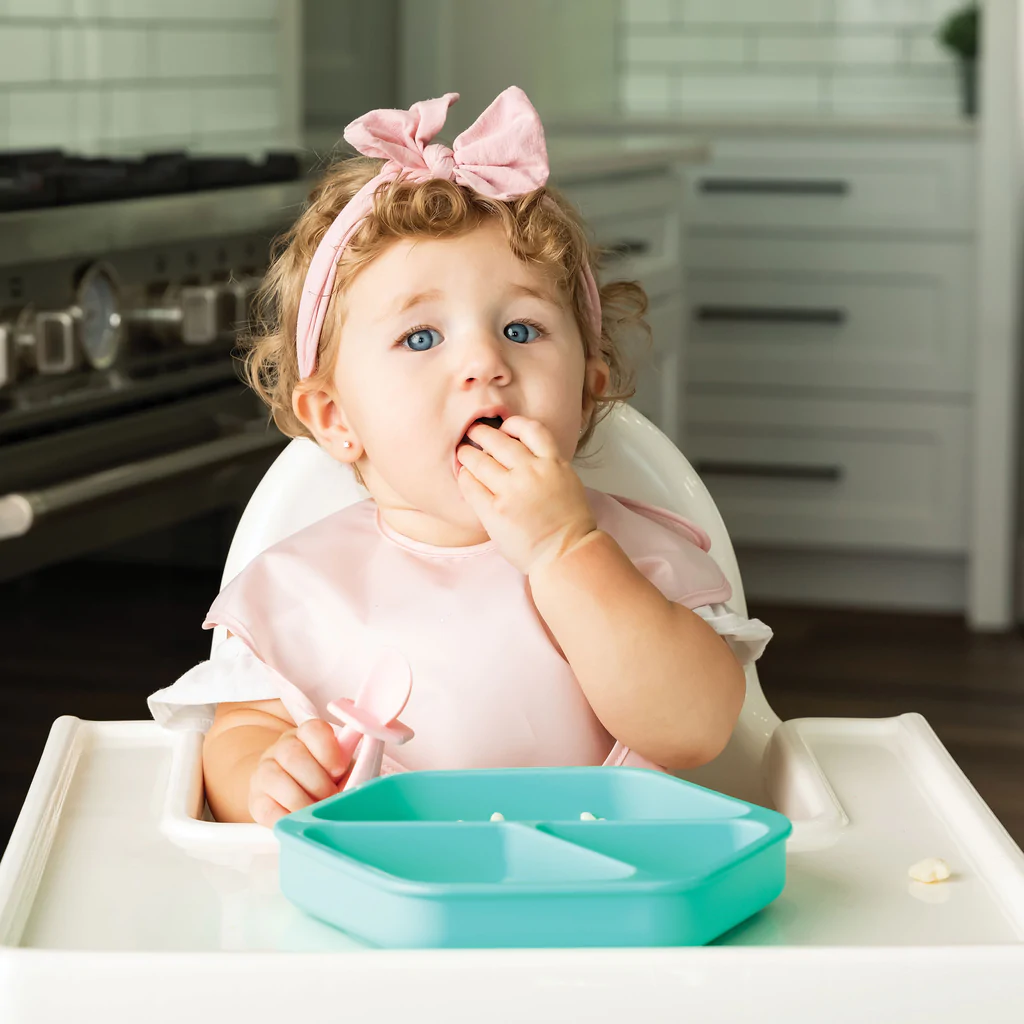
(113, 881)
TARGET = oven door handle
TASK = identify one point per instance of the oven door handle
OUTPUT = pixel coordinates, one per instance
(19, 511)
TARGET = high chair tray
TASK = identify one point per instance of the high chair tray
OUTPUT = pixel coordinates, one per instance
(115, 899)
(579, 857)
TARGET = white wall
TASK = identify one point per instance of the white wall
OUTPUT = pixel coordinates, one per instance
(997, 545)
(106, 76)
(561, 52)
(349, 60)
(810, 57)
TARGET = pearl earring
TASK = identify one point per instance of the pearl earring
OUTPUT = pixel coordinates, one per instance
(346, 444)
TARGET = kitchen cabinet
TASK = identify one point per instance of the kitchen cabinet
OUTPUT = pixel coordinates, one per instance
(830, 389)
(632, 194)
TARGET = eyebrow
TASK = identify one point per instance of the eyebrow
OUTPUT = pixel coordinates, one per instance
(414, 300)
(516, 290)
(534, 293)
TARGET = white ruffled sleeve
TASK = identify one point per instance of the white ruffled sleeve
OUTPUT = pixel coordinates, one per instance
(233, 673)
(747, 638)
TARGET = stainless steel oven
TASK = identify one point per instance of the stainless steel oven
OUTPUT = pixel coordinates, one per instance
(121, 407)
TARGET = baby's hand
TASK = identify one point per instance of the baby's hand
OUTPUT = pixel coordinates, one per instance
(527, 497)
(302, 767)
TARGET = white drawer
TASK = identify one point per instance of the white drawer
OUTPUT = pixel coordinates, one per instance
(833, 473)
(637, 221)
(806, 312)
(629, 193)
(831, 183)
(643, 247)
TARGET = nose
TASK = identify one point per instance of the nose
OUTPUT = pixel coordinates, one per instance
(484, 360)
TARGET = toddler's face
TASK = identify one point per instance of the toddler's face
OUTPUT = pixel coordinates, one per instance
(436, 333)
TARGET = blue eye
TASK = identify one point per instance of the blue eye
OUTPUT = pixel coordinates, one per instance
(420, 341)
(520, 332)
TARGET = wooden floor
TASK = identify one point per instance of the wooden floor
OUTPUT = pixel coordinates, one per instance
(93, 640)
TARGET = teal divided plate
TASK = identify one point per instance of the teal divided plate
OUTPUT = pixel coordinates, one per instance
(413, 860)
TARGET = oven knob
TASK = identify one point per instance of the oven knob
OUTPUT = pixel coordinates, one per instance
(199, 313)
(8, 355)
(14, 356)
(55, 342)
(186, 313)
(17, 345)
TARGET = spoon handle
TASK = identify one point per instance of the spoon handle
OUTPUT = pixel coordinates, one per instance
(368, 763)
(348, 741)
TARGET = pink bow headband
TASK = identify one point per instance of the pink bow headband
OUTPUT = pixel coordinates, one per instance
(501, 155)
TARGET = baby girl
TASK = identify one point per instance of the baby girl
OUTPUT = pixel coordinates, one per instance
(433, 322)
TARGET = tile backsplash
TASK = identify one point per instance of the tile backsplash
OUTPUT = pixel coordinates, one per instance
(803, 57)
(117, 76)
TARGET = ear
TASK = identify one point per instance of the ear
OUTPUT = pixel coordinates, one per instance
(321, 413)
(598, 377)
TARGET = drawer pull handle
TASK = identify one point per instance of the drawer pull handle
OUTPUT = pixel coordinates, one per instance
(770, 315)
(627, 247)
(775, 186)
(768, 471)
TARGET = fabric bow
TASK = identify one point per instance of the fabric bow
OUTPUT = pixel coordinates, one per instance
(502, 155)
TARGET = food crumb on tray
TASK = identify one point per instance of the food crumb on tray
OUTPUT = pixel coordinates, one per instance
(929, 870)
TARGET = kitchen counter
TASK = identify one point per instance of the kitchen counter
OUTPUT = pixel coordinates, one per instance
(704, 125)
(89, 228)
(593, 155)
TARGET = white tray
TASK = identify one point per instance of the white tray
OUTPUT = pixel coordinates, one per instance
(114, 895)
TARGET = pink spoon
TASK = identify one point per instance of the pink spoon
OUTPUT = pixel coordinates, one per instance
(371, 720)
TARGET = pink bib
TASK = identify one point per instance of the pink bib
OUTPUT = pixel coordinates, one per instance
(489, 688)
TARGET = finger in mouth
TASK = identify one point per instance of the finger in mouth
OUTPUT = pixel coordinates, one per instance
(491, 421)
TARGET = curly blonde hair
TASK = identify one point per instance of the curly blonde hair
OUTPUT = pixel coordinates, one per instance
(542, 228)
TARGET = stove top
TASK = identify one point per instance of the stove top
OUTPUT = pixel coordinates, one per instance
(125, 285)
(35, 179)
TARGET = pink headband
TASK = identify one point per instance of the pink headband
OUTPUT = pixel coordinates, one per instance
(501, 155)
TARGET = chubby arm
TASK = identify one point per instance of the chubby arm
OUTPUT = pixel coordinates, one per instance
(658, 677)
(257, 766)
(240, 735)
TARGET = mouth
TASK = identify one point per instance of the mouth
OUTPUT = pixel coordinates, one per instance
(493, 416)
(491, 421)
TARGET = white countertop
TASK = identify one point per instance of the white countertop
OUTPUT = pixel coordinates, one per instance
(593, 155)
(588, 154)
(710, 125)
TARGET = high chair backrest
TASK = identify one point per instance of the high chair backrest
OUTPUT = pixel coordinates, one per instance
(630, 456)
